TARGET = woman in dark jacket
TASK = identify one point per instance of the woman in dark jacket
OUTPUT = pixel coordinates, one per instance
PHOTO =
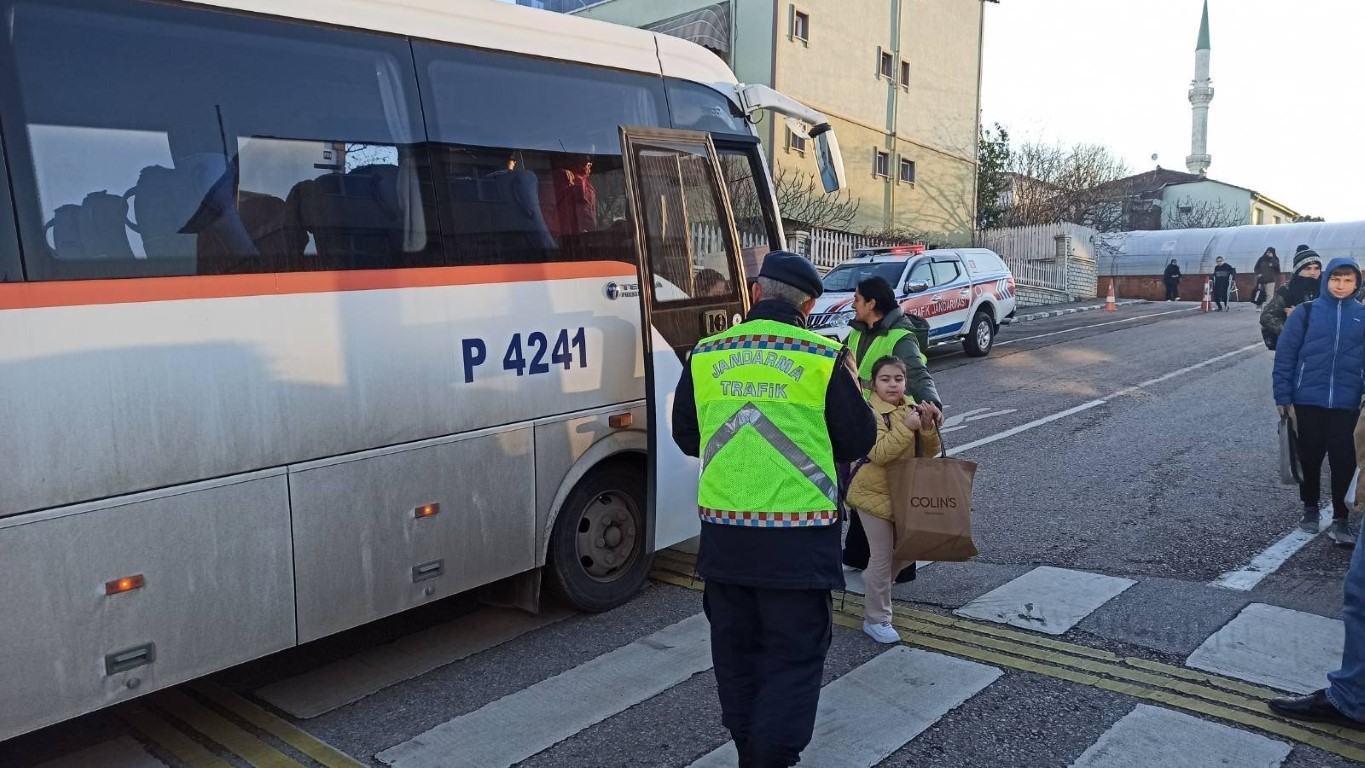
(1223, 275)
(1171, 277)
(1319, 378)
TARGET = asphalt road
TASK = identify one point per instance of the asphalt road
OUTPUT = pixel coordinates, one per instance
(1135, 445)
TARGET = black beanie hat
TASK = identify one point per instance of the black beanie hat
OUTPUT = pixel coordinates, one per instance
(1306, 256)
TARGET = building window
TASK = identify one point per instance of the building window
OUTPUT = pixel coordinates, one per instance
(881, 165)
(905, 75)
(907, 171)
(887, 65)
(800, 25)
(1279, 220)
(795, 142)
(1260, 216)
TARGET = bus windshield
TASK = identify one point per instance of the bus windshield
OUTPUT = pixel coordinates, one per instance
(847, 277)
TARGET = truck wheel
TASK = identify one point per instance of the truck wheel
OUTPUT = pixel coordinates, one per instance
(598, 556)
(980, 336)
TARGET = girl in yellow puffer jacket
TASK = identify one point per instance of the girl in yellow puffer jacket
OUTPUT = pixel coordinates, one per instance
(898, 425)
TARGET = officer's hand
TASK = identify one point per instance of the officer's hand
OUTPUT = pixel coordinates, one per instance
(1286, 411)
(931, 413)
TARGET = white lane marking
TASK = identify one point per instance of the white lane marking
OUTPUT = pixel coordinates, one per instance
(1046, 599)
(1093, 403)
(122, 752)
(351, 679)
(1267, 645)
(1095, 325)
(880, 706)
(517, 726)
(962, 420)
(1024, 427)
(1150, 736)
(1273, 557)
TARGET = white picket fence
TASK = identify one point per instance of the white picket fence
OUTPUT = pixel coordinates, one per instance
(709, 238)
(828, 249)
(1050, 262)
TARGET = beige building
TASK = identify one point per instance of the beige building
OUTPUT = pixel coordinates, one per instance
(901, 80)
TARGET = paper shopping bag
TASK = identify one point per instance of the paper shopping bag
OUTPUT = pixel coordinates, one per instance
(931, 501)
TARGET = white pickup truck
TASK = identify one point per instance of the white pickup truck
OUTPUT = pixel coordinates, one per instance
(963, 293)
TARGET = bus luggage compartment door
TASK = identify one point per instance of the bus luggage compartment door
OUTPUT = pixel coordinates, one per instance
(110, 600)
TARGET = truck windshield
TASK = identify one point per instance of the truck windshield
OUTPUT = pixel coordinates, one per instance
(847, 277)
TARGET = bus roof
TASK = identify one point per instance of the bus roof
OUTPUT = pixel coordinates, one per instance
(504, 27)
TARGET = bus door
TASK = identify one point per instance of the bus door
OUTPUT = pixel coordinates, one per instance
(691, 286)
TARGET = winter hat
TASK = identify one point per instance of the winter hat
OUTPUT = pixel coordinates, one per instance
(1306, 256)
(1301, 248)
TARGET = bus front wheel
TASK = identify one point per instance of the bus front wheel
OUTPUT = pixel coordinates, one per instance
(598, 556)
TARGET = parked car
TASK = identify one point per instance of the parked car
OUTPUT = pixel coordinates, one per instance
(963, 293)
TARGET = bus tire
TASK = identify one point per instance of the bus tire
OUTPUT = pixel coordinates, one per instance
(980, 335)
(598, 556)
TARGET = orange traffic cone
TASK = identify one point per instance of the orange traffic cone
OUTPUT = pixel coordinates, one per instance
(1206, 305)
(1109, 305)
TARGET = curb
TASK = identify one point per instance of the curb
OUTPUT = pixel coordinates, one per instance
(1068, 311)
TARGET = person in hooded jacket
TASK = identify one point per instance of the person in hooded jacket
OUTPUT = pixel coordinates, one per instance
(1319, 378)
(1300, 289)
(1224, 277)
(1171, 278)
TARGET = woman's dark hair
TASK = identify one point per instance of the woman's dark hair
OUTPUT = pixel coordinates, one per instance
(878, 291)
(889, 360)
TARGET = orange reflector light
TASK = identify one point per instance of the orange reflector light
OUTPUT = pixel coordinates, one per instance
(125, 584)
(426, 510)
(620, 420)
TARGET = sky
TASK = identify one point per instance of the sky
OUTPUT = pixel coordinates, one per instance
(1288, 112)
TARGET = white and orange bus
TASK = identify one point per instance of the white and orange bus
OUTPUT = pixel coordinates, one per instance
(312, 313)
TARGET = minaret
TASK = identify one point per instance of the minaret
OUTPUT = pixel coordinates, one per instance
(1201, 93)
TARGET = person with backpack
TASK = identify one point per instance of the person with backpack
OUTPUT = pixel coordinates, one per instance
(1300, 289)
(880, 329)
(1319, 378)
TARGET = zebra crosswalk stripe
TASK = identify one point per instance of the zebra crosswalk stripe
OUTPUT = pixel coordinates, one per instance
(122, 752)
(880, 706)
(1046, 599)
(519, 725)
(1150, 736)
(1278, 647)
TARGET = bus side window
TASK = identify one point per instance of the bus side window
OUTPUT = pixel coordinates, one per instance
(526, 154)
(10, 269)
(172, 140)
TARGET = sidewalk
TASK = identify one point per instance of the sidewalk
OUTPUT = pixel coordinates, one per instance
(1025, 314)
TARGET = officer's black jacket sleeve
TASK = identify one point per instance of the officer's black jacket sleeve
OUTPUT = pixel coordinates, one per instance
(686, 433)
(849, 419)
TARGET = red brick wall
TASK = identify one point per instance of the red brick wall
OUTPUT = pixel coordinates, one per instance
(1151, 288)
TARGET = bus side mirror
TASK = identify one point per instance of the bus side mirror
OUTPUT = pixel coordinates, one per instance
(829, 159)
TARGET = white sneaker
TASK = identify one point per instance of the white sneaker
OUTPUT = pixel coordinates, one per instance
(853, 582)
(882, 633)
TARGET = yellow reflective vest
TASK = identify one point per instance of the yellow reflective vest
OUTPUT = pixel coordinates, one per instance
(766, 456)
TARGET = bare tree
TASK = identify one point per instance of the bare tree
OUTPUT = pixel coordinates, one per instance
(1189, 213)
(1054, 182)
(802, 200)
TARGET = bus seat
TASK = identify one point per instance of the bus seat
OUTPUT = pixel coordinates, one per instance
(500, 213)
(355, 217)
(95, 229)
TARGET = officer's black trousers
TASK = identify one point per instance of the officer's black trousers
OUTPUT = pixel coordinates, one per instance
(768, 649)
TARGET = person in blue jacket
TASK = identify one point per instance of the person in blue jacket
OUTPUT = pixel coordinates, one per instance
(1319, 379)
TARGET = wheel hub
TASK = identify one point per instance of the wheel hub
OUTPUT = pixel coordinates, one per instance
(606, 535)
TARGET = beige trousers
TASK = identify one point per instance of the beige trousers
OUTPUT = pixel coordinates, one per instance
(881, 568)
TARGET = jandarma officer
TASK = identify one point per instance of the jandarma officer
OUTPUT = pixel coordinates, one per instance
(769, 407)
